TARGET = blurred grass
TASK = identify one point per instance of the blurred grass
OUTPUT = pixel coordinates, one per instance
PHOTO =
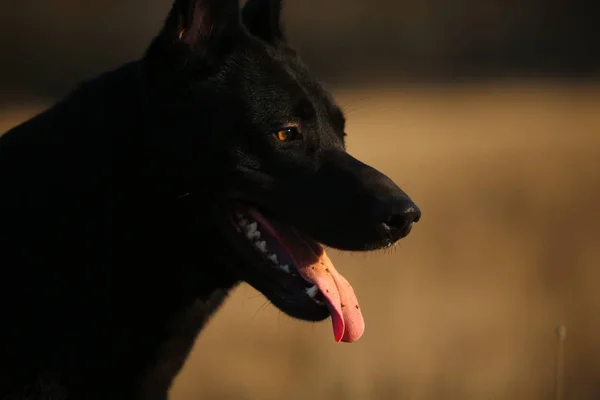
(341, 40)
(468, 305)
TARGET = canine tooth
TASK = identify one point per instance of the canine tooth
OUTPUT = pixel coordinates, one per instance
(252, 232)
(252, 227)
(273, 258)
(243, 222)
(319, 302)
(312, 291)
(262, 246)
(285, 268)
(253, 235)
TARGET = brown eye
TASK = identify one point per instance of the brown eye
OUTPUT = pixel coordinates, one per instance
(287, 134)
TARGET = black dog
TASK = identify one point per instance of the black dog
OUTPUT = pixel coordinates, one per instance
(131, 208)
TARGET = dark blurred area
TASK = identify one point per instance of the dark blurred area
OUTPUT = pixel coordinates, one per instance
(487, 112)
(343, 40)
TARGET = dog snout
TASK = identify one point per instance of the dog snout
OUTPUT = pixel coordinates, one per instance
(396, 216)
(378, 211)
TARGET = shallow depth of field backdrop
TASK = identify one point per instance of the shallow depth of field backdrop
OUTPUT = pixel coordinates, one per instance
(486, 112)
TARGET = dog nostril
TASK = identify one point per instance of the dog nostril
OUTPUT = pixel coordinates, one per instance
(396, 216)
(401, 220)
(395, 221)
(413, 214)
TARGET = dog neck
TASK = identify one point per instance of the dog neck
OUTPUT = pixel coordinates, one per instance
(182, 331)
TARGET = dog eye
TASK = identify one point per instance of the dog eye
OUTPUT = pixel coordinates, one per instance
(287, 134)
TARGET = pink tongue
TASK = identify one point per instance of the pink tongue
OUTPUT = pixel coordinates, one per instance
(347, 319)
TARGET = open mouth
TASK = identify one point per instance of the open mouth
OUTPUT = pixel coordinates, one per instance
(299, 270)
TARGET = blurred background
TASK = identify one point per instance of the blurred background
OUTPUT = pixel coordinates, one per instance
(487, 112)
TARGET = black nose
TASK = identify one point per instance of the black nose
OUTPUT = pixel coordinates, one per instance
(397, 216)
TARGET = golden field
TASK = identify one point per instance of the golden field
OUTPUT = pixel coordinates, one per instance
(466, 307)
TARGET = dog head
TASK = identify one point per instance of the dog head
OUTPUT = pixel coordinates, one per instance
(259, 137)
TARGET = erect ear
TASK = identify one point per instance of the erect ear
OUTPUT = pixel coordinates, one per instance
(262, 18)
(202, 25)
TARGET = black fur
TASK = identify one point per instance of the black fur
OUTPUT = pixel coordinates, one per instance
(115, 240)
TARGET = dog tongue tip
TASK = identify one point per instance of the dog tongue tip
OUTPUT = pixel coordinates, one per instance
(315, 266)
(353, 331)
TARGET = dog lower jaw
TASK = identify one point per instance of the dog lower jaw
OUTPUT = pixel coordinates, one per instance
(275, 260)
(296, 274)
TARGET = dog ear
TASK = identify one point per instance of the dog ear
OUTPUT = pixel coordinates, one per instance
(202, 25)
(262, 18)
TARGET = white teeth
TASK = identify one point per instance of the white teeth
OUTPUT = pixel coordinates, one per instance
(273, 258)
(319, 302)
(262, 246)
(253, 235)
(284, 268)
(312, 291)
(252, 227)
